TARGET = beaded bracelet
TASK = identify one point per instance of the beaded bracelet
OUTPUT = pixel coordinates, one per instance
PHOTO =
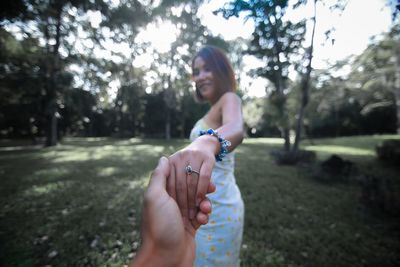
(224, 143)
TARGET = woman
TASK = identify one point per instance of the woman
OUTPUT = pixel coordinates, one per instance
(217, 243)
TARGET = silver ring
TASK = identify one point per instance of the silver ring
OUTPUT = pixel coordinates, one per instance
(189, 170)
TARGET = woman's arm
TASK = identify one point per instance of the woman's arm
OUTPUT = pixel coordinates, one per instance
(190, 189)
(232, 119)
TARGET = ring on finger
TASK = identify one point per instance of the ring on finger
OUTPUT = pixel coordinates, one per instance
(189, 170)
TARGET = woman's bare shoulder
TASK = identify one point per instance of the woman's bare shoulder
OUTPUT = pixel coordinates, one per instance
(230, 97)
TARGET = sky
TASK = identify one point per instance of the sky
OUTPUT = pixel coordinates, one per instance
(355, 26)
(360, 20)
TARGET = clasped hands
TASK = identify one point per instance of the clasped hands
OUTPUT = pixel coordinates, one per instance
(175, 206)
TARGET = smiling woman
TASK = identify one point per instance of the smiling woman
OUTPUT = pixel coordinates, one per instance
(218, 132)
(210, 87)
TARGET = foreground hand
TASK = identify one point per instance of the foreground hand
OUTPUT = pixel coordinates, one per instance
(167, 240)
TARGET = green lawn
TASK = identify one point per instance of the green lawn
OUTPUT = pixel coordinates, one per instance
(78, 204)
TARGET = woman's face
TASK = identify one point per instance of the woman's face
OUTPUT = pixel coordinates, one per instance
(204, 79)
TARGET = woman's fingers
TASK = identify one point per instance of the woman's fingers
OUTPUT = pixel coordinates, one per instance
(205, 206)
(211, 187)
(201, 218)
(180, 184)
(203, 214)
(203, 185)
(192, 179)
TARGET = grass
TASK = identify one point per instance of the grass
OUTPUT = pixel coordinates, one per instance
(78, 204)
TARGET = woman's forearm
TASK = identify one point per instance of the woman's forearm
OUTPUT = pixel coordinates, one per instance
(233, 132)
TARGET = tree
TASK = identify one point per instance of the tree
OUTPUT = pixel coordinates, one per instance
(59, 25)
(21, 82)
(129, 104)
(48, 21)
(377, 72)
(280, 43)
(276, 42)
(395, 34)
(305, 81)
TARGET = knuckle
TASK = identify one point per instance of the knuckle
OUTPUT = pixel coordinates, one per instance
(200, 195)
(182, 204)
(203, 153)
(156, 172)
(180, 188)
(191, 190)
(191, 182)
(205, 176)
(192, 204)
(182, 154)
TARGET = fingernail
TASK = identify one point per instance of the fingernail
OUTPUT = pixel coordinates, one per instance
(162, 159)
(192, 214)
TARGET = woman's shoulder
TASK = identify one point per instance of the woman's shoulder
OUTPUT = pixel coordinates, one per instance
(229, 97)
(229, 100)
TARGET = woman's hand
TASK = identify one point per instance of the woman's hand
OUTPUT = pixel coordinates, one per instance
(190, 189)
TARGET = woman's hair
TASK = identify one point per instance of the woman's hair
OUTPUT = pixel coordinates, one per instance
(221, 68)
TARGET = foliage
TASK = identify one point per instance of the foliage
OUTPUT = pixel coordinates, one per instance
(335, 169)
(361, 102)
(389, 151)
(77, 112)
(276, 42)
(283, 157)
(54, 45)
(376, 71)
(57, 69)
(380, 195)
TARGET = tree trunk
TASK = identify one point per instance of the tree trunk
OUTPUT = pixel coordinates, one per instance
(51, 129)
(183, 126)
(286, 137)
(299, 126)
(305, 85)
(283, 127)
(169, 101)
(396, 88)
(52, 71)
(282, 98)
(168, 125)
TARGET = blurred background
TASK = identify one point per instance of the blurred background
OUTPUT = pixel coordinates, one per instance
(93, 92)
(95, 68)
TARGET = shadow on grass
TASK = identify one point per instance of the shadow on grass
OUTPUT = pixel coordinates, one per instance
(75, 204)
(78, 204)
(292, 220)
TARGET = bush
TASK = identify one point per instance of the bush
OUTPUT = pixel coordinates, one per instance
(380, 195)
(335, 169)
(389, 152)
(283, 157)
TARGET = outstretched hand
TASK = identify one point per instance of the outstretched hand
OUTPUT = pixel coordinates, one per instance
(190, 189)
